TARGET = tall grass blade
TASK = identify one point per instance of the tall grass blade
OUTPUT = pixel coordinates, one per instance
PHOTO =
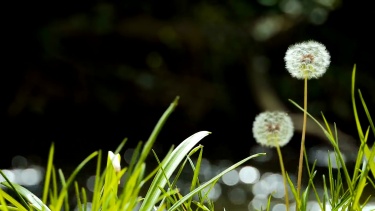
(151, 140)
(334, 144)
(31, 199)
(169, 164)
(366, 148)
(214, 179)
(18, 206)
(12, 186)
(64, 190)
(47, 178)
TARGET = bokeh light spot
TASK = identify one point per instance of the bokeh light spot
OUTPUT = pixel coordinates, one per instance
(231, 178)
(249, 175)
(30, 176)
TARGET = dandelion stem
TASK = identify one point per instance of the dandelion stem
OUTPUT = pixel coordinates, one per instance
(302, 139)
(284, 177)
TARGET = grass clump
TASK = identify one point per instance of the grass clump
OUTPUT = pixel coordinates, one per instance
(343, 190)
(162, 192)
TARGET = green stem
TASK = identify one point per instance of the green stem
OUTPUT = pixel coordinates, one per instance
(284, 177)
(299, 181)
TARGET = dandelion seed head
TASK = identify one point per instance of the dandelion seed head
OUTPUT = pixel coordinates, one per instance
(273, 129)
(308, 59)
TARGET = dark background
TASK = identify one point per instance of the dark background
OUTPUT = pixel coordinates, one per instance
(86, 74)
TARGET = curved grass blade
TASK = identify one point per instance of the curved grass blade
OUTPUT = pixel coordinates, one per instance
(151, 140)
(169, 164)
(17, 206)
(2, 201)
(64, 191)
(214, 179)
(366, 149)
(10, 185)
(334, 144)
(48, 173)
(33, 200)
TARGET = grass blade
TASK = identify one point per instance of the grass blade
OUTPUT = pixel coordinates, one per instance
(33, 200)
(169, 164)
(64, 191)
(214, 179)
(150, 142)
(48, 173)
(366, 148)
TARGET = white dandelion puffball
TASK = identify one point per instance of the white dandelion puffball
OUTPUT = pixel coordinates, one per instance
(273, 129)
(308, 59)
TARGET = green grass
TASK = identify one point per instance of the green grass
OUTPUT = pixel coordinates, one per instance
(342, 191)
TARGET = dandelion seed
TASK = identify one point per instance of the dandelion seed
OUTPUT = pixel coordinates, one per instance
(308, 59)
(273, 129)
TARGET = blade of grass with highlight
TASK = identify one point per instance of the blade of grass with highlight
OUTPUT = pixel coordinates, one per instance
(311, 173)
(120, 146)
(333, 141)
(151, 140)
(359, 127)
(64, 190)
(13, 201)
(269, 203)
(169, 164)
(128, 198)
(367, 150)
(53, 191)
(364, 149)
(84, 198)
(293, 189)
(194, 182)
(98, 183)
(63, 184)
(196, 169)
(78, 197)
(151, 175)
(214, 179)
(332, 183)
(326, 196)
(171, 197)
(134, 180)
(3, 204)
(305, 195)
(33, 200)
(48, 173)
(173, 185)
(361, 184)
(10, 185)
(133, 161)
